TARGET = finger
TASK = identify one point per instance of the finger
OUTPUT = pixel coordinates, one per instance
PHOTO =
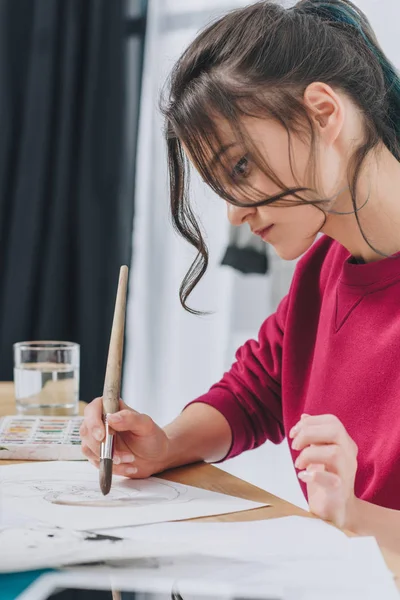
(313, 420)
(122, 452)
(126, 471)
(330, 455)
(129, 420)
(93, 420)
(315, 467)
(328, 433)
(88, 452)
(120, 469)
(89, 442)
(322, 478)
(126, 458)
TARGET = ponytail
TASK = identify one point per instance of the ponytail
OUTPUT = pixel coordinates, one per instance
(345, 13)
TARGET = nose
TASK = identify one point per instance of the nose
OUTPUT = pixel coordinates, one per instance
(238, 215)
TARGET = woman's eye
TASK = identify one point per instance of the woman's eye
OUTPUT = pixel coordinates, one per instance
(241, 168)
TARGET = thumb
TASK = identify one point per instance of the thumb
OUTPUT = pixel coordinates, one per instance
(129, 420)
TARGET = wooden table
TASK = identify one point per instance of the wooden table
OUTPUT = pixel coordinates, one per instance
(211, 478)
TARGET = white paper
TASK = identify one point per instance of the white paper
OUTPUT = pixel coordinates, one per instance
(301, 558)
(353, 570)
(290, 537)
(40, 546)
(308, 558)
(36, 545)
(357, 575)
(67, 494)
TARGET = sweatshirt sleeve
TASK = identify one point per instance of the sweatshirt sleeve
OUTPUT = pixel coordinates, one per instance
(249, 394)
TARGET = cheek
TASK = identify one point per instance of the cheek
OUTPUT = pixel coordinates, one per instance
(301, 220)
(296, 230)
(290, 167)
(293, 249)
(259, 181)
(298, 221)
(309, 221)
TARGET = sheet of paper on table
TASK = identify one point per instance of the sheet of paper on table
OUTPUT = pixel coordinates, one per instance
(323, 564)
(67, 494)
(36, 545)
(290, 537)
(306, 558)
(40, 546)
(312, 580)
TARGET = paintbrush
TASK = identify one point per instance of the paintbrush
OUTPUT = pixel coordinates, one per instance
(112, 381)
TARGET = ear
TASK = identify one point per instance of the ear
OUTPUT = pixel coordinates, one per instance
(326, 110)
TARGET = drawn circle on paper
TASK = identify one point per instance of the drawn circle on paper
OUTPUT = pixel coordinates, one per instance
(134, 494)
(124, 492)
(87, 495)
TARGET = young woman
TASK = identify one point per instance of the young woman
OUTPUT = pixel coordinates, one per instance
(293, 117)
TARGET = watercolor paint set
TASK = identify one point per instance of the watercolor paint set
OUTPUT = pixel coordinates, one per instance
(40, 438)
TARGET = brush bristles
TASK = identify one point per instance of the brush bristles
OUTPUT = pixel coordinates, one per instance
(105, 475)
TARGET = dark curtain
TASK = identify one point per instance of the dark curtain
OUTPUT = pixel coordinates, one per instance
(65, 207)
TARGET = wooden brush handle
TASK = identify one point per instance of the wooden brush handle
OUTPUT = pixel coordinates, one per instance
(112, 381)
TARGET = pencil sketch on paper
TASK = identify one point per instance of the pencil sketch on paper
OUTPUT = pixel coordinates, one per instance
(67, 494)
(125, 493)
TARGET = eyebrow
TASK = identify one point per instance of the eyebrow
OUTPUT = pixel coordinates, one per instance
(221, 152)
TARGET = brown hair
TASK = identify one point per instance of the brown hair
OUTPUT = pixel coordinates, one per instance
(258, 61)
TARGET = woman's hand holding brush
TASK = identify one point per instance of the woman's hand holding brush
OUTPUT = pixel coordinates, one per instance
(142, 448)
(140, 445)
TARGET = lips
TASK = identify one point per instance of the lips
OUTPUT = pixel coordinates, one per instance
(263, 232)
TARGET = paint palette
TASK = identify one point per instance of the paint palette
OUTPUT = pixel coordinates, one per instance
(40, 438)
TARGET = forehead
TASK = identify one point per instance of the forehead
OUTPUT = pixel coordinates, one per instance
(226, 139)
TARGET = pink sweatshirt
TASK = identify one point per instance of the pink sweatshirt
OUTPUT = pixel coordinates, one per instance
(332, 347)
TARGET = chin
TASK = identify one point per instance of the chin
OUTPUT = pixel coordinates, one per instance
(293, 251)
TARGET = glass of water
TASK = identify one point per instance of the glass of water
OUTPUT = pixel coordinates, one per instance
(46, 377)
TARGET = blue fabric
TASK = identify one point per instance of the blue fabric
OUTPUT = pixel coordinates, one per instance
(13, 584)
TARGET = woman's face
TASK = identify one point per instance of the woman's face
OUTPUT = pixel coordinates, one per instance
(291, 230)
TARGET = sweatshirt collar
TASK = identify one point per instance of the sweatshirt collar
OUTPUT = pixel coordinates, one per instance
(365, 274)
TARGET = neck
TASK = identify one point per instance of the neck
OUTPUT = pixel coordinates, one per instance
(378, 218)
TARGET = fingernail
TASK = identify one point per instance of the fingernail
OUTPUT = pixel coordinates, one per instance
(295, 445)
(294, 431)
(127, 458)
(306, 475)
(304, 415)
(116, 460)
(297, 462)
(115, 417)
(131, 470)
(98, 434)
